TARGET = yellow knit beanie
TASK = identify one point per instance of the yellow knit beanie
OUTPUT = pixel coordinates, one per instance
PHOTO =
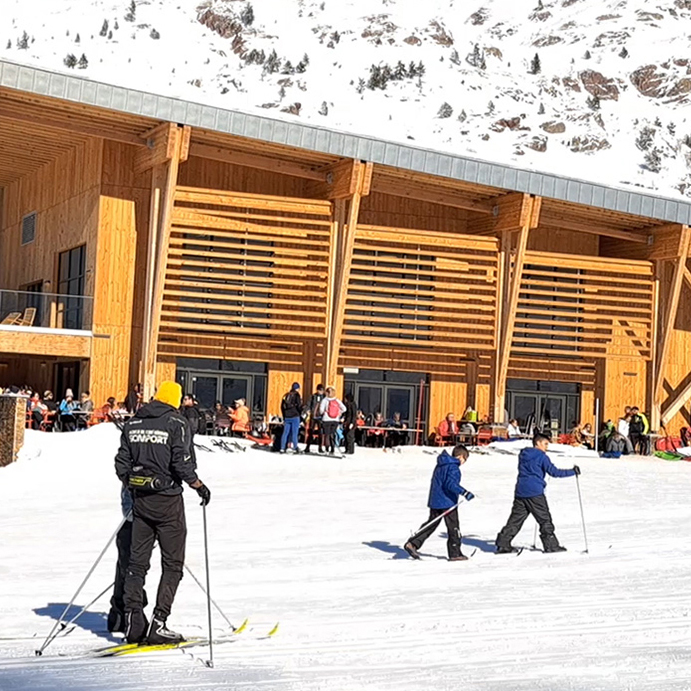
(169, 392)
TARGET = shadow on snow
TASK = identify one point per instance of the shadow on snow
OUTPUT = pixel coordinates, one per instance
(95, 622)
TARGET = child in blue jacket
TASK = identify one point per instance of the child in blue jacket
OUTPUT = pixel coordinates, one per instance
(444, 493)
(529, 499)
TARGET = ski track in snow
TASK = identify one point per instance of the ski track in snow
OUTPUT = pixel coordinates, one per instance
(315, 543)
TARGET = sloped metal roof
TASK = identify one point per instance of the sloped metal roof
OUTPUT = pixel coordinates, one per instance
(311, 137)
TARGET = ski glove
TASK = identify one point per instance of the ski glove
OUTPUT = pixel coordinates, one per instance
(576, 470)
(205, 493)
(468, 495)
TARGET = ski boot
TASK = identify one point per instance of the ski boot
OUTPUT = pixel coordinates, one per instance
(160, 634)
(412, 550)
(135, 626)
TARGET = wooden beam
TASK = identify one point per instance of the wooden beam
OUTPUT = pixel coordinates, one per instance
(164, 183)
(593, 229)
(677, 404)
(509, 308)
(435, 196)
(239, 158)
(161, 145)
(55, 122)
(345, 242)
(667, 325)
(342, 180)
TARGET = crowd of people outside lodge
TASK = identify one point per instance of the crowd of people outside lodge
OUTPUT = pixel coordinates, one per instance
(328, 423)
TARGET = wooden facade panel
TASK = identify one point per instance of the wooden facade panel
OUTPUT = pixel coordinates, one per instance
(440, 286)
(446, 395)
(568, 241)
(54, 344)
(280, 381)
(625, 383)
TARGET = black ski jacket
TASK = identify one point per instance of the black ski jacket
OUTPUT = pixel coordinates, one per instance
(193, 416)
(155, 451)
(291, 405)
(350, 415)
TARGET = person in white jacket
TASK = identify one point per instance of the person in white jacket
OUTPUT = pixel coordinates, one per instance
(331, 410)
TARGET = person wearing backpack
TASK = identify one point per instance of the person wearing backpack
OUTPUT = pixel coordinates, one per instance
(331, 410)
(291, 410)
(314, 426)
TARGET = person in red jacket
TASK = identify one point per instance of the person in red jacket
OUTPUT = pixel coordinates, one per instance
(448, 428)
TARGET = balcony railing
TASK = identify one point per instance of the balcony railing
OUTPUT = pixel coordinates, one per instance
(21, 308)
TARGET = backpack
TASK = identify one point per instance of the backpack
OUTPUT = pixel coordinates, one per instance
(333, 410)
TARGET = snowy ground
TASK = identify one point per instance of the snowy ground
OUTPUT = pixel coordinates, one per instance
(315, 543)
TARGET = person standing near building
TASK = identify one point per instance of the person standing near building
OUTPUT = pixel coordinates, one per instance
(639, 427)
(154, 459)
(529, 496)
(314, 426)
(291, 410)
(190, 411)
(349, 423)
(331, 410)
(444, 493)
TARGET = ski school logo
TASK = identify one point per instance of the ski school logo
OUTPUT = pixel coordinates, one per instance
(147, 436)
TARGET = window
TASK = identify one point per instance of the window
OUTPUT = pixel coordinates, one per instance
(71, 272)
(29, 228)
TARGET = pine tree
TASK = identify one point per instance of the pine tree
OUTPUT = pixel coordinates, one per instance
(131, 12)
(23, 42)
(445, 111)
(9, 43)
(623, 53)
(587, 55)
(155, 35)
(273, 63)
(541, 109)
(535, 66)
(247, 15)
(83, 62)
(70, 61)
(104, 28)
(324, 110)
(77, 39)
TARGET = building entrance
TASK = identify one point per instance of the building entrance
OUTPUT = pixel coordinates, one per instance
(551, 406)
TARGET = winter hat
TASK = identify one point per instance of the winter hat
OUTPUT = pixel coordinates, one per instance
(295, 386)
(169, 392)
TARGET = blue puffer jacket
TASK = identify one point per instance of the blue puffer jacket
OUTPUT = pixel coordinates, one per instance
(533, 464)
(446, 482)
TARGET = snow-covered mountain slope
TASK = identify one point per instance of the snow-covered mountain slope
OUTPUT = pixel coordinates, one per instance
(597, 90)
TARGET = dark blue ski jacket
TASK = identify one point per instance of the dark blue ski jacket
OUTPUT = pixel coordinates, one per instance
(446, 482)
(533, 464)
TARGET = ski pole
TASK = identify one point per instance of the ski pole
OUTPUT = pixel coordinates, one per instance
(51, 636)
(434, 520)
(210, 661)
(213, 602)
(580, 502)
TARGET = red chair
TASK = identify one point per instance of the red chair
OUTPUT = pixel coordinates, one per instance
(484, 436)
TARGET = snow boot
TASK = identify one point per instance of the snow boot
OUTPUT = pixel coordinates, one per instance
(506, 550)
(556, 548)
(460, 557)
(411, 549)
(160, 634)
(135, 626)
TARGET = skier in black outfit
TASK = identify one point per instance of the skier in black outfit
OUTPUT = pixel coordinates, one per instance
(153, 461)
(529, 499)
(315, 421)
(349, 420)
(444, 493)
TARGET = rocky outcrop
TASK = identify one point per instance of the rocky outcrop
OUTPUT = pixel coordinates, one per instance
(598, 85)
(553, 127)
(587, 143)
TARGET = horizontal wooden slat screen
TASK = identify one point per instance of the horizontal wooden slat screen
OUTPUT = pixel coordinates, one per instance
(245, 265)
(422, 289)
(585, 306)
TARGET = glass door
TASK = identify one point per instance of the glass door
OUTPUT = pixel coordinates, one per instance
(234, 388)
(399, 400)
(206, 391)
(369, 399)
(524, 408)
(553, 411)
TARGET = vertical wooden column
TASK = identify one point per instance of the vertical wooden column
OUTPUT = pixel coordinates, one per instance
(517, 215)
(667, 324)
(167, 147)
(346, 183)
(12, 423)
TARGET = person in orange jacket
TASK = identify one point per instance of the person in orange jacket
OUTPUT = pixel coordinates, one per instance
(240, 416)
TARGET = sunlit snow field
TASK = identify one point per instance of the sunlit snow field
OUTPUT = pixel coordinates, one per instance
(315, 543)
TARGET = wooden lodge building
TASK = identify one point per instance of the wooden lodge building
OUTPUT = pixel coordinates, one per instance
(144, 238)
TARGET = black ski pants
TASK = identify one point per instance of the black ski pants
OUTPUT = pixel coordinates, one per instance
(156, 517)
(314, 431)
(639, 441)
(350, 440)
(453, 544)
(521, 509)
(330, 427)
